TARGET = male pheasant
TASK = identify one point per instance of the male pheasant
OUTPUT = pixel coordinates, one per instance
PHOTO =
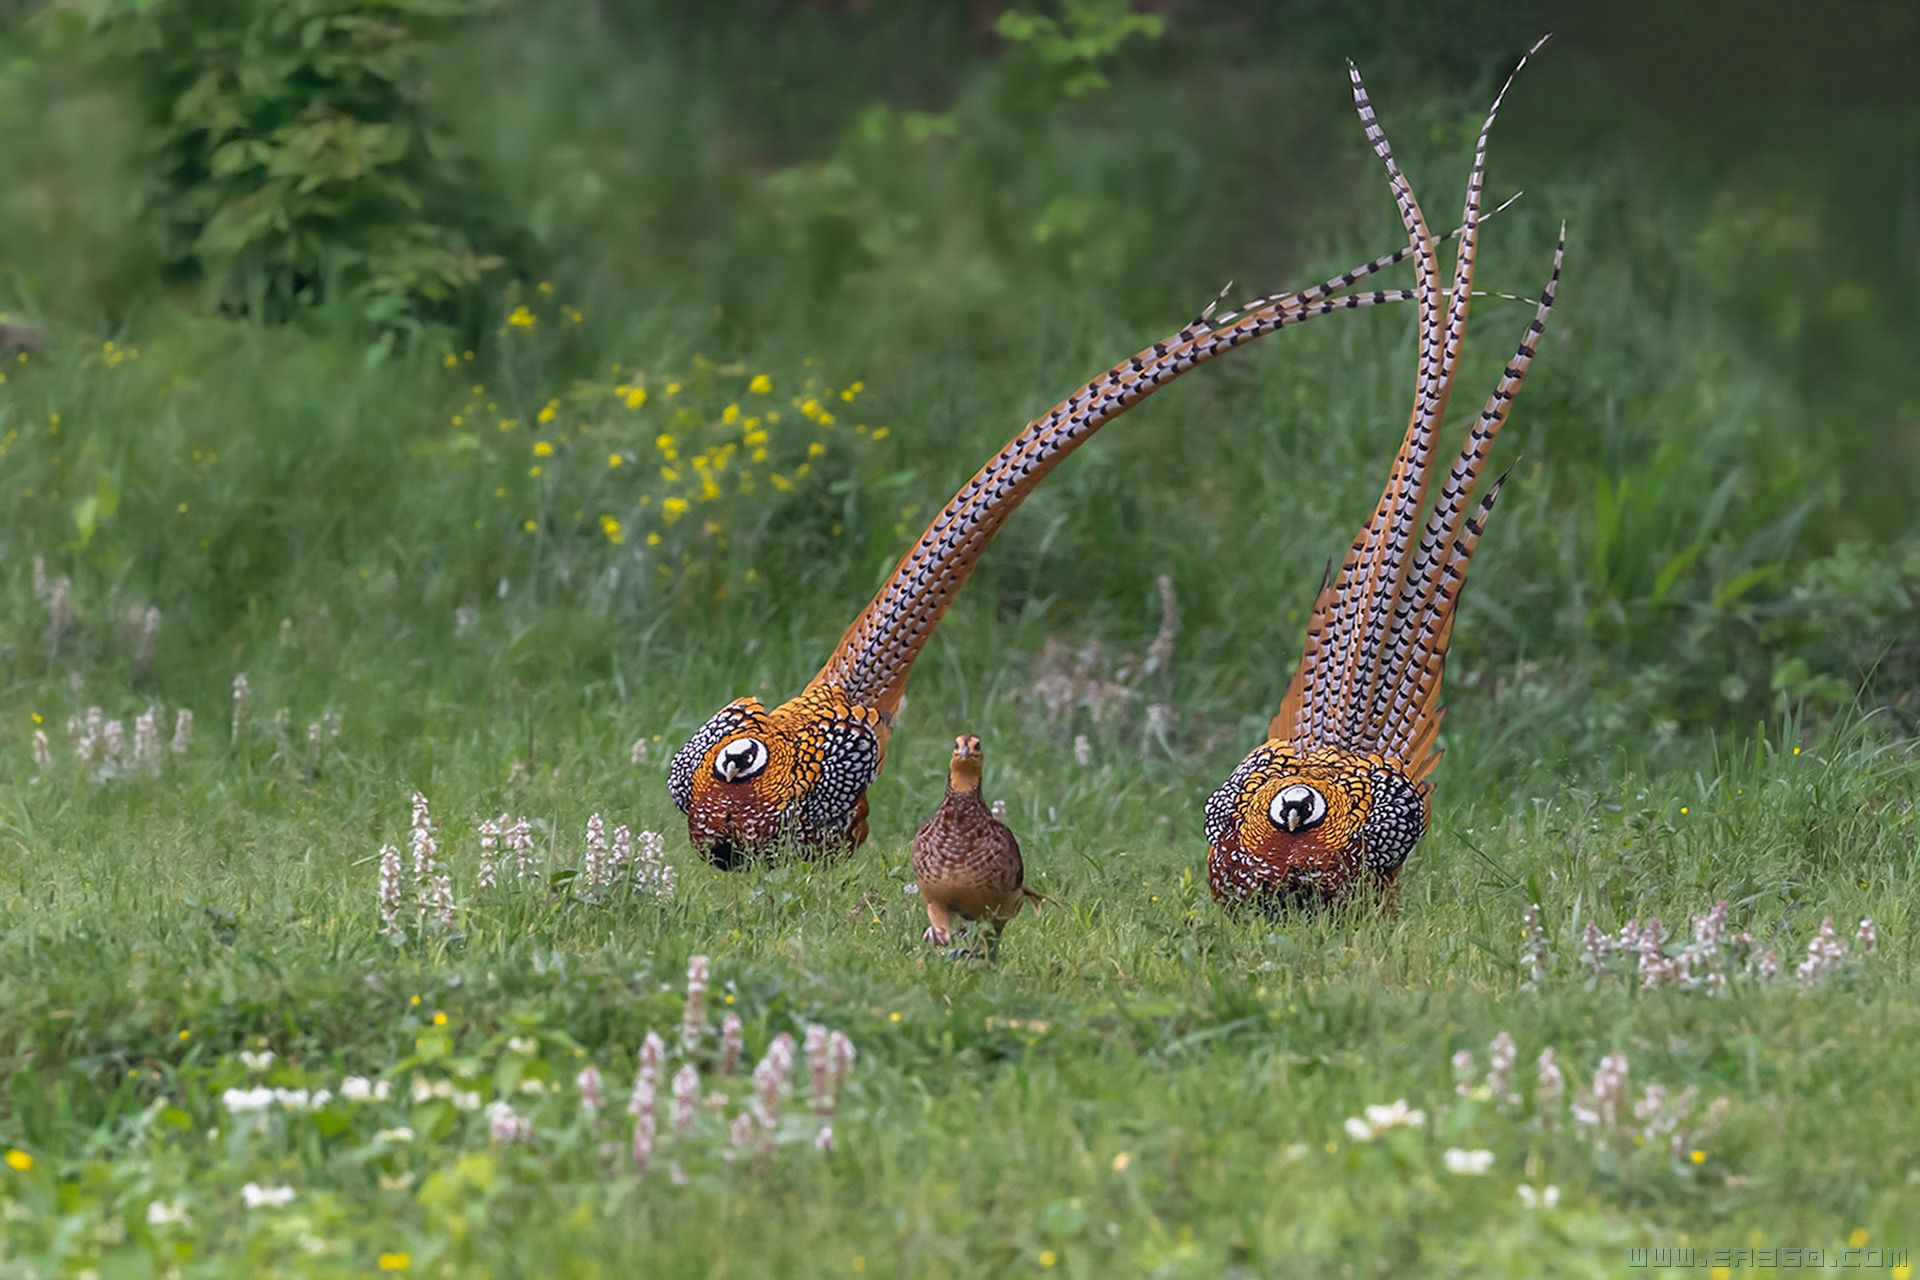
(965, 860)
(1337, 797)
(752, 778)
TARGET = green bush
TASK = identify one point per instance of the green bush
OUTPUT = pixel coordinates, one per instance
(295, 153)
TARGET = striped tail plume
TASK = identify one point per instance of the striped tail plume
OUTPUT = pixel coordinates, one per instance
(1369, 676)
(871, 663)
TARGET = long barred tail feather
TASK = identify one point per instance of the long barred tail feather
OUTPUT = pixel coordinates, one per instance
(1347, 279)
(1329, 663)
(872, 660)
(1369, 673)
(1406, 721)
(1376, 656)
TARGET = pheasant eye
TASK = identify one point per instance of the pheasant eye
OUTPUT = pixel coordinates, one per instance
(740, 759)
(1297, 807)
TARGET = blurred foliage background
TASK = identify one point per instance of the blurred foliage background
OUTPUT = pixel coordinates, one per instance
(368, 312)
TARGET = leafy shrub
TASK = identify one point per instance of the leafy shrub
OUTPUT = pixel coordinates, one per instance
(1085, 34)
(295, 153)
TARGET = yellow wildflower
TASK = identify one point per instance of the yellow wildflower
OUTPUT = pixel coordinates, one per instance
(19, 1161)
(521, 318)
(760, 385)
(636, 396)
(1858, 1238)
(730, 415)
(708, 489)
(545, 286)
(780, 482)
(572, 314)
(880, 433)
(611, 527)
(398, 1261)
(673, 388)
(450, 360)
(670, 474)
(653, 539)
(439, 1017)
(815, 449)
(547, 411)
(529, 526)
(1048, 1257)
(672, 509)
(535, 470)
(616, 459)
(542, 449)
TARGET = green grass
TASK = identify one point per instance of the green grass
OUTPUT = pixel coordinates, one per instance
(1684, 673)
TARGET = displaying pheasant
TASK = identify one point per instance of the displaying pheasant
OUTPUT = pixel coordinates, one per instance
(1337, 797)
(752, 778)
(965, 860)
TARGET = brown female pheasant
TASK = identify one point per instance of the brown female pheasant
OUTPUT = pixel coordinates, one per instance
(965, 860)
(752, 778)
(1337, 797)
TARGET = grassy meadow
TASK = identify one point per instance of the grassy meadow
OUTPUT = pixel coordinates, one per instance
(770, 283)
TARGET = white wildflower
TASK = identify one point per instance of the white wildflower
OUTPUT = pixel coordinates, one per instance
(1379, 1119)
(1467, 1163)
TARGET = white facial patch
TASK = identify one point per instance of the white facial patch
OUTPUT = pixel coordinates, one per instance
(740, 759)
(1297, 807)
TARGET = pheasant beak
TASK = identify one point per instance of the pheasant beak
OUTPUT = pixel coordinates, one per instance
(729, 770)
(1293, 820)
